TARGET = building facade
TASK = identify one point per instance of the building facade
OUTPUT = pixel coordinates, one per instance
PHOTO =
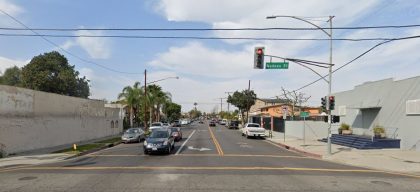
(394, 105)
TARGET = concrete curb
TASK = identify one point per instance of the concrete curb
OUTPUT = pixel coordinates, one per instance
(94, 150)
(314, 155)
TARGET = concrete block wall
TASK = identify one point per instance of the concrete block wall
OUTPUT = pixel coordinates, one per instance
(313, 129)
(31, 120)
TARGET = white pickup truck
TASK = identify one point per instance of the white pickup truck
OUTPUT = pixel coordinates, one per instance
(253, 130)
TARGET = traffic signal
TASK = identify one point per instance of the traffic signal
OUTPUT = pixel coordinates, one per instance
(335, 119)
(323, 103)
(332, 102)
(259, 58)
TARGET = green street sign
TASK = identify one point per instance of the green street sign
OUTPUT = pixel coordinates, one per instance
(277, 65)
(304, 114)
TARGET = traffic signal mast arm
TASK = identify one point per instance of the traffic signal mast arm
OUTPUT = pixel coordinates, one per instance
(303, 63)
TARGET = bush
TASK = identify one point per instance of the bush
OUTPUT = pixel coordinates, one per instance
(378, 130)
(344, 126)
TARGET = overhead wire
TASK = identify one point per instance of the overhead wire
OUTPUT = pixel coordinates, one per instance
(216, 29)
(68, 52)
(196, 37)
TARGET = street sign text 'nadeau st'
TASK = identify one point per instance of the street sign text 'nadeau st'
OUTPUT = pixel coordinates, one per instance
(277, 65)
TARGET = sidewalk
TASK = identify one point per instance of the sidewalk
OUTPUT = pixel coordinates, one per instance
(382, 159)
(32, 159)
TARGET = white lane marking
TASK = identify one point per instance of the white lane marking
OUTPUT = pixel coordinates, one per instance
(182, 146)
(198, 149)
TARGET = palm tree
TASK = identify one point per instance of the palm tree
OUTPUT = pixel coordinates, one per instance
(163, 98)
(131, 97)
(156, 98)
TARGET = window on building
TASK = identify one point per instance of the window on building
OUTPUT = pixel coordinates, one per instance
(112, 124)
(412, 107)
(116, 124)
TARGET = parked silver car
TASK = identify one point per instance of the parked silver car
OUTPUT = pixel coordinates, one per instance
(133, 135)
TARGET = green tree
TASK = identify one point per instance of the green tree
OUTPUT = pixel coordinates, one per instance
(131, 96)
(12, 76)
(242, 100)
(172, 111)
(194, 113)
(51, 72)
(156, 97)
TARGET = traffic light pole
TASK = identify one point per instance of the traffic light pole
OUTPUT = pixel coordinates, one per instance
(329, 90)
(330, 35)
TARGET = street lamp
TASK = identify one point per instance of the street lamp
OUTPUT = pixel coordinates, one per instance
(329, 34)
(163, 79)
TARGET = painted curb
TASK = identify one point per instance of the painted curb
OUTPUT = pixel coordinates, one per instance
(306, 153)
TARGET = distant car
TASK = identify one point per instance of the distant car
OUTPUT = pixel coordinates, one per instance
(176, 123)
(166, 125)
(156, 125)
(159, 141)
(233, 124)
(223, 122)
(253, 130)
(133, 135)
(176, 133)
(184, 122)
(212, 124)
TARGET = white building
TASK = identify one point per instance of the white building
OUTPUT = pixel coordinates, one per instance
(395, 105)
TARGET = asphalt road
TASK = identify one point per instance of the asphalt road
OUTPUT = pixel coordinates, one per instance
(210, 159)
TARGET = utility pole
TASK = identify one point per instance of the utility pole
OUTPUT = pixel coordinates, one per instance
(247, 113)
(145, 100)
(228, 102)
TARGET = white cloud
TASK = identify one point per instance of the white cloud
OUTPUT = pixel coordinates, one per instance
(68, 44)
(7, 63)
(97, 48)
(196, 59)
(11, 9)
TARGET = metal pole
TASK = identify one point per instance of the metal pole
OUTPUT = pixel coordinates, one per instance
(329, 89)
(221, 105)
(247, 113)
(145, 100)
(304, 126)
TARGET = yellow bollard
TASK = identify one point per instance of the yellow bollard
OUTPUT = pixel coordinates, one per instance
(74, 147)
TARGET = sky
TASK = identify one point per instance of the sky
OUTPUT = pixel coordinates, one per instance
(207, 69)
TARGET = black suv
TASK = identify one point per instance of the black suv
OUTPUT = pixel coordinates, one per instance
(233, 125)
(160, 140)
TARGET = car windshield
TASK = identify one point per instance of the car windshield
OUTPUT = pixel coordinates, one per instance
(159, 134)
(130, 131)
(156, 124)
(253, 125)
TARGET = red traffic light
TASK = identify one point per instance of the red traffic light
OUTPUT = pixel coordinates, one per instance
(332, 98)
(260, 51)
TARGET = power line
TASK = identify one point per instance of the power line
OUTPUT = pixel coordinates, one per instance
(351, 61)
(197, 37)
(68, 52)
(358, 57)
(217, 29)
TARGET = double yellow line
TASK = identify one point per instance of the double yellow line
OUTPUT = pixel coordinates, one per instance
(216, 143)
